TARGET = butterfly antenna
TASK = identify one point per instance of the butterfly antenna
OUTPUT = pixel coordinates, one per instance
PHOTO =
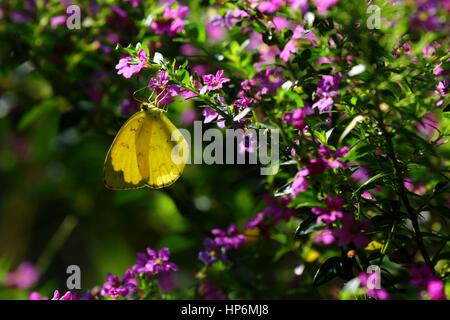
(135, 92)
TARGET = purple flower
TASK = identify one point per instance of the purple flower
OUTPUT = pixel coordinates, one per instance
(376, 293)
(210, 115)
(230, 238)
(436, 290)
(352, 231)
(331, 158)
(300, 183)
(67, 296)
(24, 277)
(172, 22)
(421, 275)
(115, 288)
(325, 237)
(243, 102)
(296, 118)
(327, 90)
(270, 6)
(428, 125)
(332, 211)
(210, 291)
(291, 46)
(324, 5)
(153, 262)
(360, 175)
(165, 92)
(212, 252)
(276, 210)
(214, 82)
(128, 66)
(57, 21)
(36, 296)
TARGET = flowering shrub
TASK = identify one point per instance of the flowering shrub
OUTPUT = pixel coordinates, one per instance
(362, 180)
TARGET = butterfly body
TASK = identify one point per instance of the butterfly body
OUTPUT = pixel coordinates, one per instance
(147, 151)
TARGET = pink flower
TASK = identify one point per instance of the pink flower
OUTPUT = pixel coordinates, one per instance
(428, 125)
(352, 231)
(172, 22)
(215, 82)
(67, 296)
(128, 66)
(324, 5)
(165, 91)
(332, 211)
(291, 47)
(376, 293)
(24, 277)
(300, 183)
(57, 21)
(326, 237)
(435, 289)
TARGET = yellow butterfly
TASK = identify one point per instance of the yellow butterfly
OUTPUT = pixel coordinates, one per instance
(148, 151)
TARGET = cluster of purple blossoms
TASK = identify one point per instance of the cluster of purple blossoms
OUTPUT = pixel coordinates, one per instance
(172, 21)
(350, 231)
(153, 263)
(276, 210)
(115, 287)
(424, 277)
(332, 212)
(327, 160)
(327, 91)
(165, 91)
(221, 242)
(297, 119)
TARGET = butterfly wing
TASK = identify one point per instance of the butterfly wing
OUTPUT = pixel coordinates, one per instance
(121, 169)
(167, 151)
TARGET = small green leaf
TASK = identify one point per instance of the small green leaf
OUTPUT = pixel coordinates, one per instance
(327, 271)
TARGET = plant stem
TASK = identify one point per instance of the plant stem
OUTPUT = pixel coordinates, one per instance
(413, 215)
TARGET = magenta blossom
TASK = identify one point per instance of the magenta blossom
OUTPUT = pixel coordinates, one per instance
(331, 158)
(230, 238)
(352, 231)
(325, 237)
(300, 183)
(327, 90)
(324, 5)
(153, 262)
(173, 20)
(368, 281)
(436, 289)
(165, 91)
(128, 66)
(275, 211)
(114, 287)
(67, 296)
(332, 212)
(210, 115)
(24, 277)
(291, 46)
(214, 82)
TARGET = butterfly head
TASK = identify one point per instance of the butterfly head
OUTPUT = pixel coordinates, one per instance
(147, 106)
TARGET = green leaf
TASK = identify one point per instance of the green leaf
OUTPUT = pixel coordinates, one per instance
(327, 271)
